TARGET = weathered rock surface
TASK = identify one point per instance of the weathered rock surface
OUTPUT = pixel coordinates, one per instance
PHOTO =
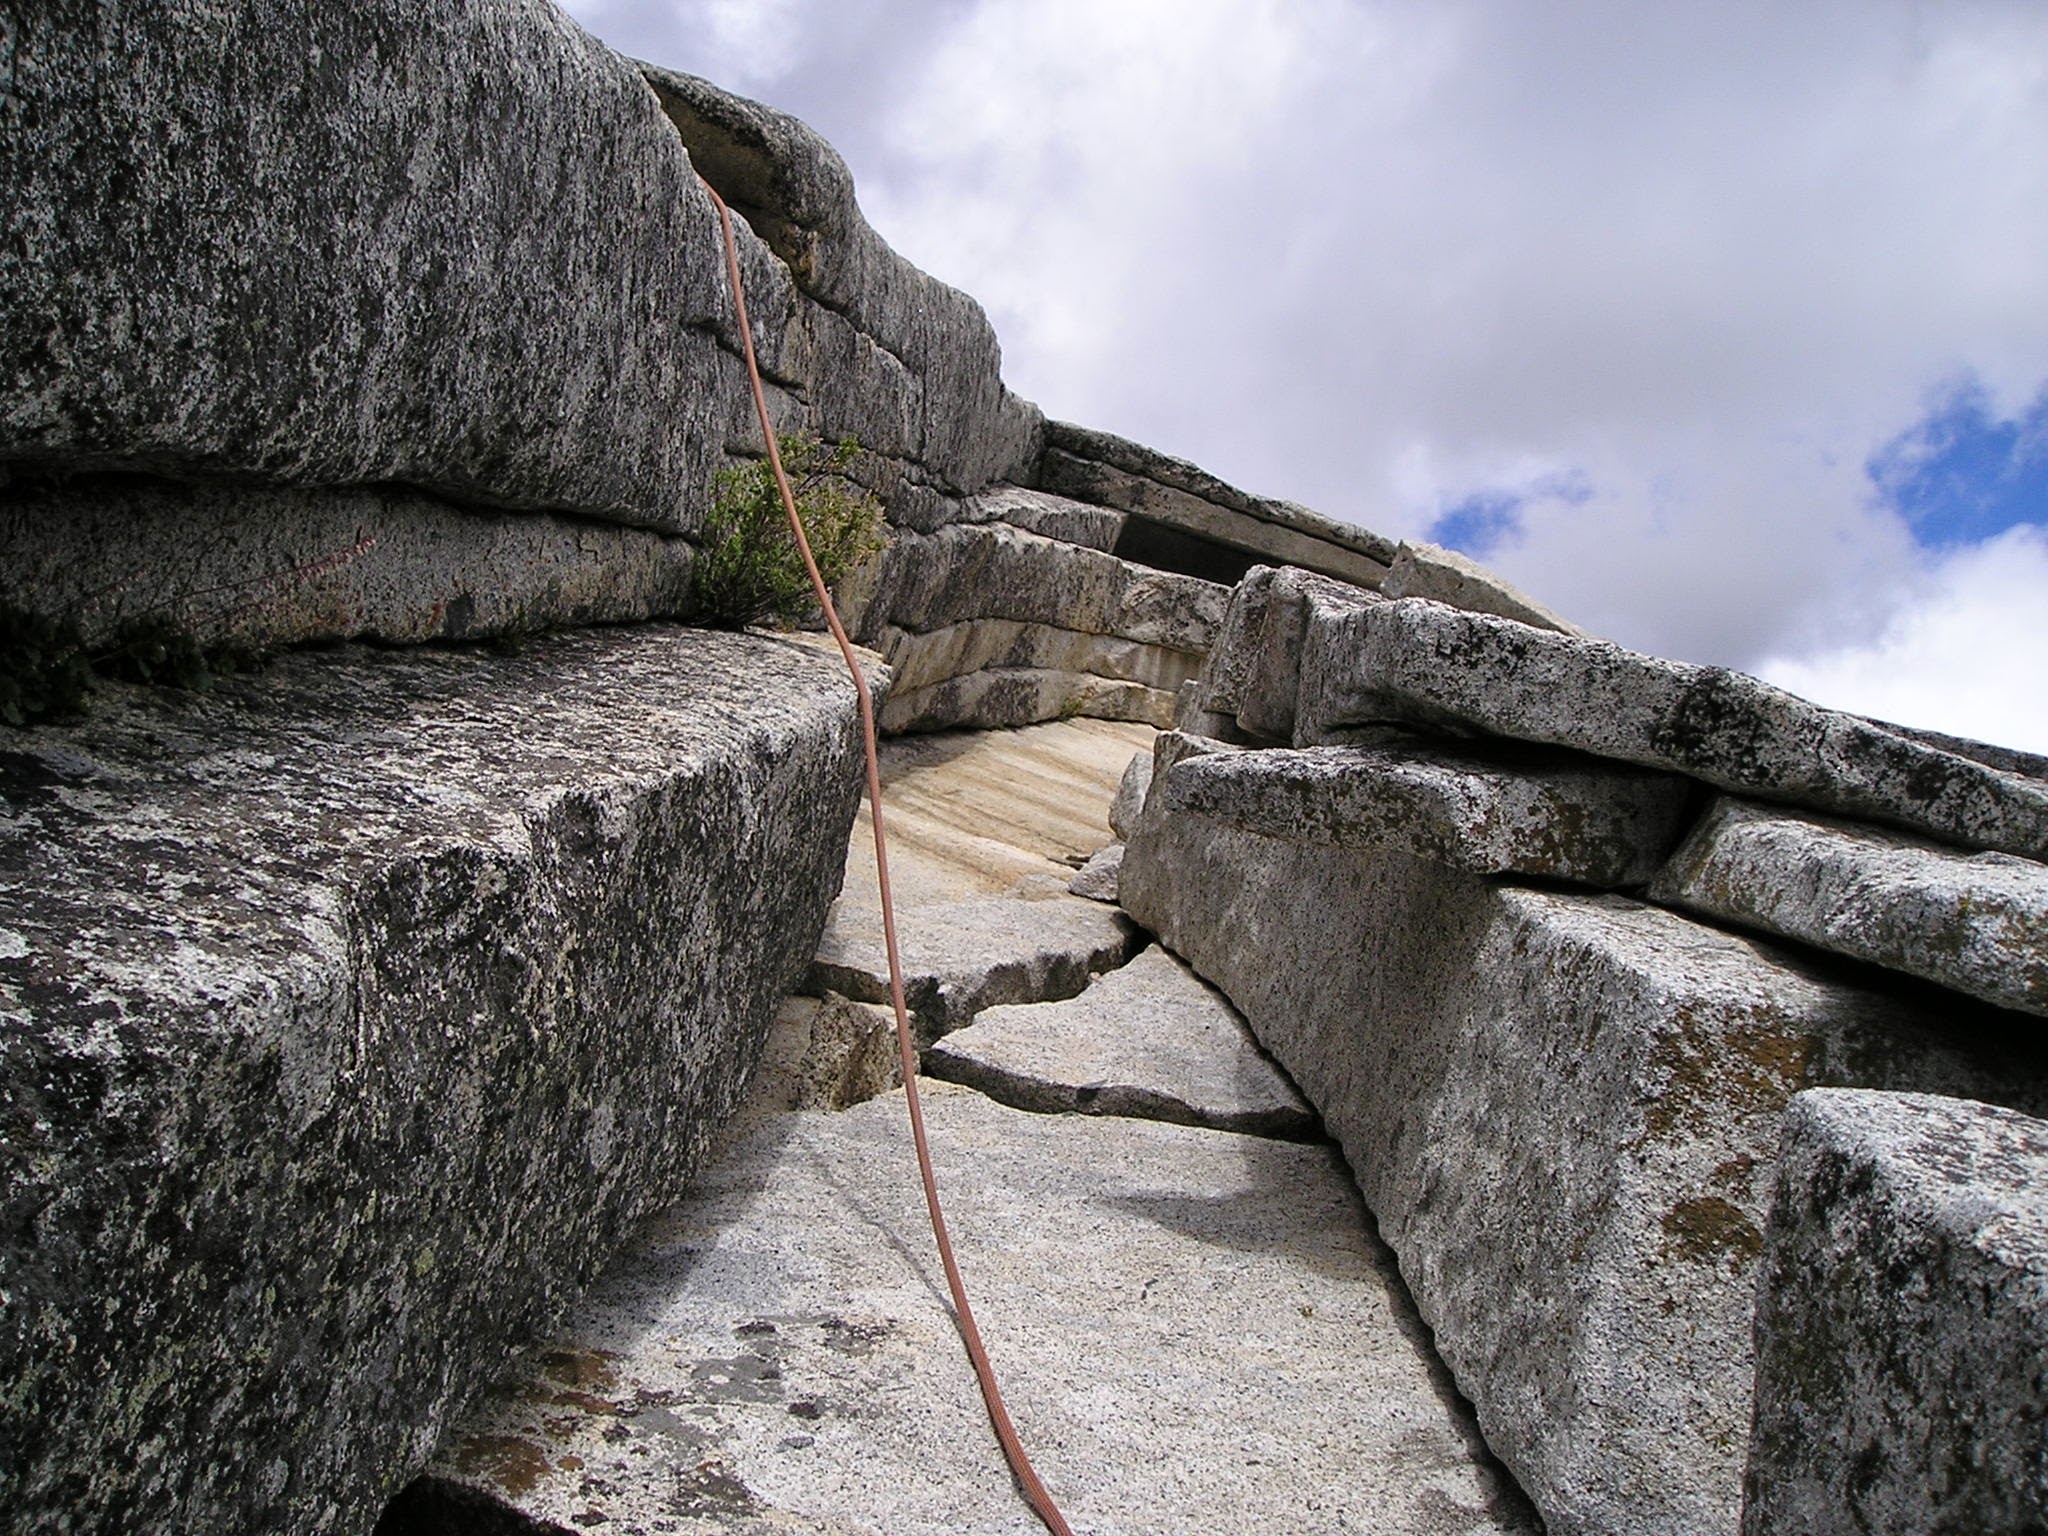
(1499, 812)
(985, 831)
(1902, 1322)
(1097, 879)
(1420, 662)
(353, 1013)
(1173, 1314)
(1975, 922)
(1006, 697)
(207, 236)
(1131, 791)
(920, 660)
(1563, 1111)
(1161, 490)
(1445, 576)
(1150, 1040)
(265, 566)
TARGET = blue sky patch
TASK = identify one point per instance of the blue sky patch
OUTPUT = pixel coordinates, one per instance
(1960, 475)
(1482, 521)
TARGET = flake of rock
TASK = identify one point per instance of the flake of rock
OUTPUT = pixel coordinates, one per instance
(1445, 576)
(1114, 472)
(354, 1011)
(1412, 661)
(1151, 1040)
(1562, 1109)
(1131, 790)
(1902, 1321)
(1975, 922)
(920, 660)
(963, 956)
(1056, 517)
(1554, 816)
(1097, 878)
(1173, 1313)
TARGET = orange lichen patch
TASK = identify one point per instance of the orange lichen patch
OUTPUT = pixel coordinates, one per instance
(1750, 1066)
(515, 1465)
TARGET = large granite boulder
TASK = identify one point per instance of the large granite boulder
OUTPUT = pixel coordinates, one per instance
(353, 1013)
(1902, 1322)
(1563, 1110)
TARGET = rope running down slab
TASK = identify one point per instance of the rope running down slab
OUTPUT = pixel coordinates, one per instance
(984, 1373)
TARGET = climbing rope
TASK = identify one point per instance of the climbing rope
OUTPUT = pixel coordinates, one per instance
(984, 1373)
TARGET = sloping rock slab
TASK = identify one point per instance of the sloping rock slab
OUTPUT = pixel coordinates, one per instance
(1568, 819)
(1563, 1110)
(1975, 922)
(1151, 1040)
(1902, 1325)
(1194, 1332)
(960, 957)
(352, 1014)
(1421, 662)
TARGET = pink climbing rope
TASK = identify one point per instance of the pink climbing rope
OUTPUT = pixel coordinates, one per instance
(984, 1373)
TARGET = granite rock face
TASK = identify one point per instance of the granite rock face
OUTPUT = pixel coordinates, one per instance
(1416, 662)
(1974, 922)
(1902, 1322)
(336, 279)
(1173, 1313)
(354, 1012)
(261, 250)
(1561, 817)
(1149, 1039)
(1563, 1111)
(1254, 668)
(960, 957)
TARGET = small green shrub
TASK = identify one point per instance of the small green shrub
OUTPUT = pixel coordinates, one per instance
(748, 569)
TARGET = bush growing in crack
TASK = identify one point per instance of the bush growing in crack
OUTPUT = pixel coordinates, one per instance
(748, 570)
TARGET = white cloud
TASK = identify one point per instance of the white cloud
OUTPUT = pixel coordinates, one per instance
(1381, 255)
(1965, 654)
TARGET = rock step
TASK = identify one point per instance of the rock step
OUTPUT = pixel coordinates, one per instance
(1194, 1331)
(1151, 1041)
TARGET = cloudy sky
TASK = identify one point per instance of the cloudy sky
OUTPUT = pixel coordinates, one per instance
(1721, 327)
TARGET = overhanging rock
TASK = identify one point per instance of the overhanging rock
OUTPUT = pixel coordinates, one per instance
(354, 1012)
